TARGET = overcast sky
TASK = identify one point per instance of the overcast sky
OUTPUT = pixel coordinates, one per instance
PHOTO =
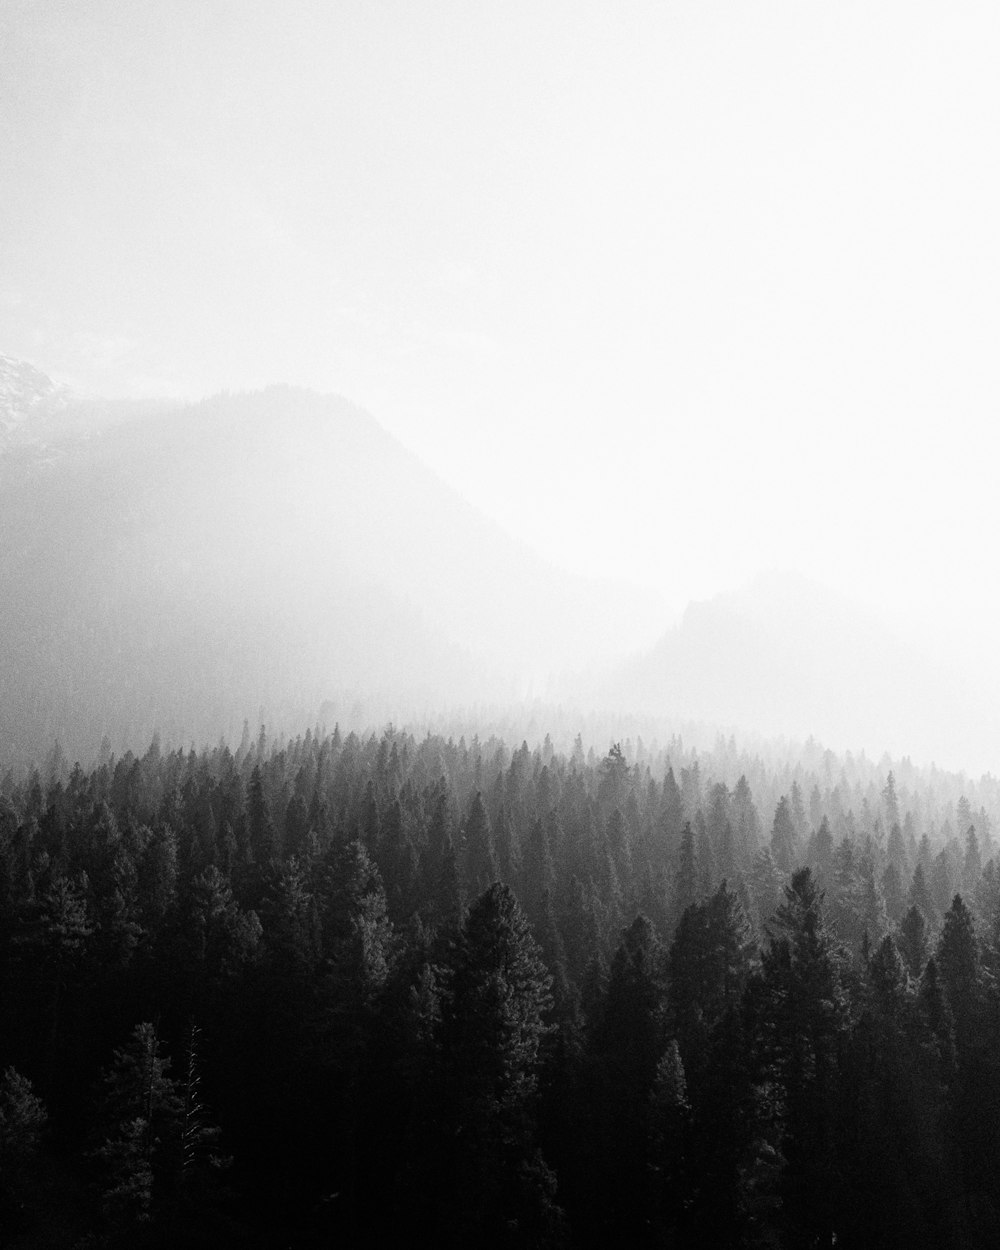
(685, 289)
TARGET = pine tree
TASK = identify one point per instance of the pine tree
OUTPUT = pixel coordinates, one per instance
(669, 1126)
(943, 882)
(142, 1110)
(493, 1020)
(686, 875)
(22, 1120)
(158, 873)
(869, 905)
(554, 954)
(821, 852)
(783, 836)
(291, 929)
(919, 896)
(216, 939)
(765, 887)
(708, 869)
(296, 826)
(480, 857)
(897, 852)
(200, 1160)
(708, 965)
(913, 941)
(627, 1044)
(973, 864)
(890, 802)
(52, 942)
(801, 1014)
(359, 941)
(936, 1012)
(887, 974)
(957, 958)
(537, 870)
(498, 1000)
(670, 821)
(893, 892)
(263, 836)
(746, 824)
(508, 849)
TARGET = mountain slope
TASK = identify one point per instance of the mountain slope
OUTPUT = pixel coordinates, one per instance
(25, 394)
(784, 655)
(184, 568)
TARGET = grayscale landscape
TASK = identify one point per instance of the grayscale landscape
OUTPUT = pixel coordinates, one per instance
(499, 698)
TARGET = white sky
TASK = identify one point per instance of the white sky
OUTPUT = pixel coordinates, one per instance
(684, 289)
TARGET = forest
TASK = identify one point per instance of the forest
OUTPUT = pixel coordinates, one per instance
(361, 989)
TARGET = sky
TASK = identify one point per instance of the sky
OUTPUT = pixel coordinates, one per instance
(678, 290)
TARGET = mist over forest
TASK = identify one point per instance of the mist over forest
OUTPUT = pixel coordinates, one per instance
(499, 693)
(365, 877)
(178, 569)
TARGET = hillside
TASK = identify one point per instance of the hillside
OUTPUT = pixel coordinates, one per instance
(185, 567)
(783, 655)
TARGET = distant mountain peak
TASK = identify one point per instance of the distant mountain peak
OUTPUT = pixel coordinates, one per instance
(25, 391)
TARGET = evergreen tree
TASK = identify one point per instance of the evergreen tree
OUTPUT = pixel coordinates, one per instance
(554, 954)
(22, 1120)
(142, 1110)
(957, 958)
(869, 904)
(783, 836)
(670, 821)
(707, 968)
(912, 941)
(480, 857)
(801, 1014)
(263, 836)
(920, 896)
(893, 892)
(579, 930)
(492, 1025)
(746, 824)
(821, 851)
(669, 1126)
(937, 1015)
(943, 882)
(627, 1045)
(686, 875)
(890, 802)
(200, 1160)
(51, 945)
(765, 887)
(507, 848)
(973, 864)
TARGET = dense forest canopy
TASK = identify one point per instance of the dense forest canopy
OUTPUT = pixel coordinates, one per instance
(372, 986)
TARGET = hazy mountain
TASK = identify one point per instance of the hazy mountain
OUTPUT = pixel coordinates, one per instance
(183, 567)
(786, 656)
(26, 395)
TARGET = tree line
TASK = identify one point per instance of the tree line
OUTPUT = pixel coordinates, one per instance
(376, 986)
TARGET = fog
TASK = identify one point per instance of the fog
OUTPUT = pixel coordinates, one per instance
(499, 694)
(639, 305)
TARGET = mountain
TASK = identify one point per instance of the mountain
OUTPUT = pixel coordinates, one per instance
(183, 567)
(786, 656)
(26, 394)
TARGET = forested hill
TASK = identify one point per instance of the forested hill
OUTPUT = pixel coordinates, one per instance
(366, 989)
(183, 567)
(783, 654)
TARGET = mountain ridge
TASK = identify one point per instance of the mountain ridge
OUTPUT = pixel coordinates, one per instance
(183, 567)
(784, 655)
(26, 392)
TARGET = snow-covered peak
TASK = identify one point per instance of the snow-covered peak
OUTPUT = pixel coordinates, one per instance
(24, 392)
